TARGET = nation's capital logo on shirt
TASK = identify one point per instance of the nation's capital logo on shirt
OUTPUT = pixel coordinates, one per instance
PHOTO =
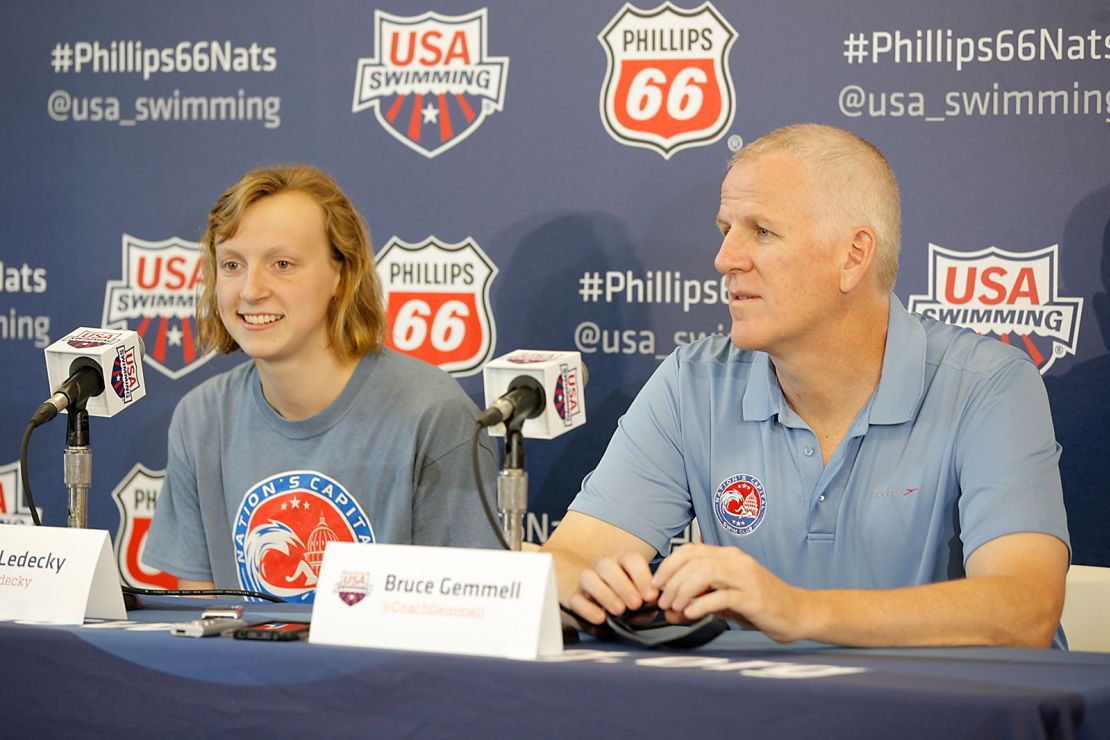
(667, 86)
(136, 497)
(438, 303)
(282, 526)
(431, 81)
(156, 297)
(740, 503)
(1012, 295)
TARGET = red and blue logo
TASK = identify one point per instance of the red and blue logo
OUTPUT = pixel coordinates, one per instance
(1012, 295)
(125, 373)
(282, 527)
(431, 81)
(566, 398)
(89, 339)
(157, 298)
(353, 586)
(740, 503)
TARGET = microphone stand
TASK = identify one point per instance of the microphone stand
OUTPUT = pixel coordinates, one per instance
(78, 467)
(512, 486)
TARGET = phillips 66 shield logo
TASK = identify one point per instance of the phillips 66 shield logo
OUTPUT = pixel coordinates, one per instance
(135, 497)
(431, 82)
(1009, 294)
(13, 506)
(157, 299)
(668, 85)
(437, 302)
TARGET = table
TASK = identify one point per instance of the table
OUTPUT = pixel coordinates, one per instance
(124, 679)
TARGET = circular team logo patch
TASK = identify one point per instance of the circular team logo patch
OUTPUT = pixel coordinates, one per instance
(740, 503)
(282, 526)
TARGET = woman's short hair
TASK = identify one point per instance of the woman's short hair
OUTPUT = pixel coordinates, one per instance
(356, 315)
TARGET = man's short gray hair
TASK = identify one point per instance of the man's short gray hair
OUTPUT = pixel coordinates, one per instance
(858, 184)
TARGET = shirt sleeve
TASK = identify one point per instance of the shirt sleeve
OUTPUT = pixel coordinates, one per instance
(641, 484)
(175, 542)
(1007, 460)
(446, 509)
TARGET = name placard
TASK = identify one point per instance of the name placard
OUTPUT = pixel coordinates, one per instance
(437, 599)
(58, 575)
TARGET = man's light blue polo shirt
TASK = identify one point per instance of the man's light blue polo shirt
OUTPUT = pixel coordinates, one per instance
(954, 449)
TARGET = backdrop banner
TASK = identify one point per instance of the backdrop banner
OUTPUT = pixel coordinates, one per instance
(538, 175)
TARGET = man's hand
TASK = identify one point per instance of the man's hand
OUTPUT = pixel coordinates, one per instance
(696, 580)
(600, 567)
(613, 585)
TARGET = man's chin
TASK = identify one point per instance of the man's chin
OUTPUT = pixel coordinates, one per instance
(744, 341)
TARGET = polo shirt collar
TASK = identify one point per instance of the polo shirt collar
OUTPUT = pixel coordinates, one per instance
(901, 382)
(763, 395)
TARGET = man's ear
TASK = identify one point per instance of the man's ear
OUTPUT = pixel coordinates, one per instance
(860, 258)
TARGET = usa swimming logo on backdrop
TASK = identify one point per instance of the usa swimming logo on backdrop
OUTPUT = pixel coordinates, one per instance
(667, 86)
(1012, 295)
(437, 302)
(157, 298)
(282, 527)
(135, 497)
(430, 82)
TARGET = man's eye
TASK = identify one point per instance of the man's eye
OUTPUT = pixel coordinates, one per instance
(763, 233)
(284, 264)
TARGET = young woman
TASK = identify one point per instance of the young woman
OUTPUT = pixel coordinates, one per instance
(324, 435)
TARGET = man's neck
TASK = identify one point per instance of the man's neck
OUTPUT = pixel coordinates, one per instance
(833, 378)
(303, 388)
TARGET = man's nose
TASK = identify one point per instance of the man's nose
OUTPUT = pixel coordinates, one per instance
(734, 254)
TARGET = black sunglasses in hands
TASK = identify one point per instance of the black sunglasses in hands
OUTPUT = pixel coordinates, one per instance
(648, 626)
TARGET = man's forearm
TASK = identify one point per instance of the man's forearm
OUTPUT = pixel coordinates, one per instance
(990, 610)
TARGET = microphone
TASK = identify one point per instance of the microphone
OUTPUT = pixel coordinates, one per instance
(541, 388)
(525, 398)
(86, 362)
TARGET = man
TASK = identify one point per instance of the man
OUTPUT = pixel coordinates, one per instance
(861, 476)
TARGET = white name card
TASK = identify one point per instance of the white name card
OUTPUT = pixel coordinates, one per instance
(58, 575)
(437, 599)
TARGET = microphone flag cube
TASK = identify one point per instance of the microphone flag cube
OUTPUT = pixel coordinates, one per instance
(117, 354)
(562, 376)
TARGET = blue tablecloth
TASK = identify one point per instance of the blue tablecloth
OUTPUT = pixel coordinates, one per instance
(123, 679)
